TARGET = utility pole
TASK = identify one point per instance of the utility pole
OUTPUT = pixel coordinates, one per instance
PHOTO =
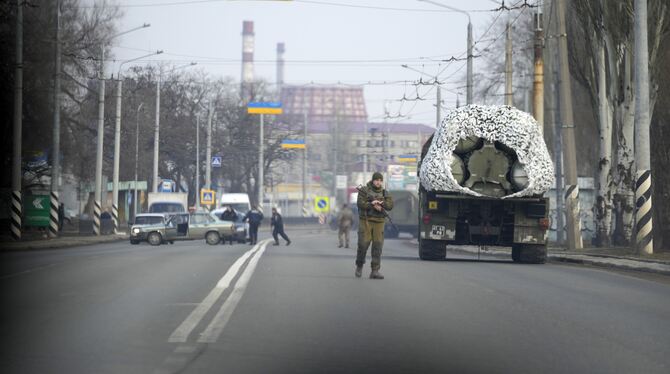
(101, 133)
(568, 134)
(17, 206)
(260, 165)
(470, 83)
(304, 162)
(117, 156)
(438, 105)
(643, 206)
(54, 221)
(137, 152)
(157, 130)
(538, 75)
(365, 154)
(208, 149)
(509, 94)
(197, 161)
(552, 116)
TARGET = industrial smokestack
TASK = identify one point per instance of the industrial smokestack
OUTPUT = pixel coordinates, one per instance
(247, 59)
(280, 66)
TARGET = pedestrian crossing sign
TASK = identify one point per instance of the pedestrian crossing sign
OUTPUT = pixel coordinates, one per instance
(321, 204)
(216, 161)
(207, 197)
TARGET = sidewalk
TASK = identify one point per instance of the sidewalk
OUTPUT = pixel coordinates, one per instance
(60, 242)
(615, 258)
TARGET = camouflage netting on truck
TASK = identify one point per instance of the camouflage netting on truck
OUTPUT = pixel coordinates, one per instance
(488, 151)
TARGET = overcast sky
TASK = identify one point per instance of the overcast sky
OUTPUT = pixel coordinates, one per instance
(319, 35)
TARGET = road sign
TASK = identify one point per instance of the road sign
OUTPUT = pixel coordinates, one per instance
(167, 185)
(207, 197)
(321, 204)
(264, 108)
(216, 161)
(341, 182)
(36, 208)
(293, 143)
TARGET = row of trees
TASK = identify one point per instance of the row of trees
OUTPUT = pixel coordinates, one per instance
(186, 96)
(600, 42)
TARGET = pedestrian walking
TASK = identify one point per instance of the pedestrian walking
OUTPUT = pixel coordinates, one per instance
(372, 202)
(277, 225)
(61, 216)
(254, 217)
(344, 221)
(229, 215)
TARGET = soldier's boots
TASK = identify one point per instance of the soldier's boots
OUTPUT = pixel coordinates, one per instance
(359, 271)
(375, 274)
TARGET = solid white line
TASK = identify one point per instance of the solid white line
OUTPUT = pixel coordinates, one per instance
(181, 333)
(215, 328)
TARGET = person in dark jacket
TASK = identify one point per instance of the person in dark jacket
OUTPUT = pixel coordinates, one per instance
(229, 215)
(277, 225)
(254, 217)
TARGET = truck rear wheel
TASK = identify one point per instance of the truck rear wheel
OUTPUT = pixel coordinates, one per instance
(529, 253)
(432, 250)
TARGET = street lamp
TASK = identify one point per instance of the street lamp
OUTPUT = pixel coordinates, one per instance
(101, 130)
(469, 83)
(117, 142)
(158, 115)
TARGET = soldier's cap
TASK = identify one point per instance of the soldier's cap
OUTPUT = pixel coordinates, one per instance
(377, 175)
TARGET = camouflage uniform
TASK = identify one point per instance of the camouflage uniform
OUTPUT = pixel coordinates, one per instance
(371, 226)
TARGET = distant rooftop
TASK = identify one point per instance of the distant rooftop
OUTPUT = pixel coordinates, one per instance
(325, 104)
(372, 127)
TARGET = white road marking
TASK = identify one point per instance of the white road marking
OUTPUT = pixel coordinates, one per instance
(181, 333)
(215, 328)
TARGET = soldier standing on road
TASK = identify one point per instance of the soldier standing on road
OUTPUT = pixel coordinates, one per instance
(277, 225)
(229, 215)
(372, 202)
(344, 221)
(254, 217)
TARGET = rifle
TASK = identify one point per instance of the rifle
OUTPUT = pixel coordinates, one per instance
(371, 199)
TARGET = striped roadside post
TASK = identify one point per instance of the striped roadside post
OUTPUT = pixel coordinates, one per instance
(305, 212)
(16, 215)
(53, 215)
(573, 209)
(96, 217)
(643, 212)
(115, 218)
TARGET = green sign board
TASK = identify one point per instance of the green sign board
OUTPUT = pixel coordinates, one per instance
(36, 210)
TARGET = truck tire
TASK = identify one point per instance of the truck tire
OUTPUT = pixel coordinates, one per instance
(212, 238)
(155, 238)
(432, 250)
(529, 253)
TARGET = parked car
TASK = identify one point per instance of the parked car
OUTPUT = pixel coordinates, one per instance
(184, 226)
(241, 227)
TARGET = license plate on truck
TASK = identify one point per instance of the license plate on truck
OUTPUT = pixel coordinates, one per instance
(437, 231)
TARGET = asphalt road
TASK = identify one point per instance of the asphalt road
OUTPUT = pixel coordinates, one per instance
(194, 308)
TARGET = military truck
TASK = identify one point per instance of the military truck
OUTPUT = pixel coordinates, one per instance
(493, 202)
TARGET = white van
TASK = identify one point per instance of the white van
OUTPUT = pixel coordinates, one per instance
(239, 201)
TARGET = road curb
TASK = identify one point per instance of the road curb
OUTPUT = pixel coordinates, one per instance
(58, 244)
(635, 265)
